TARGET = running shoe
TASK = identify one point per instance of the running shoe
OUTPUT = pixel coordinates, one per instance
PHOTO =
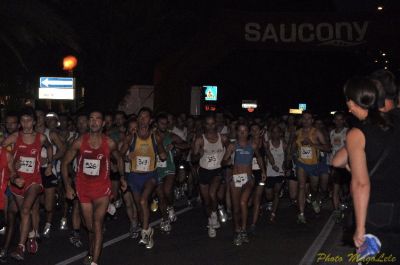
(32, 245)
(237, 239)
(46, 230)
(3, 256)
(301, 219)
(18, 253)
(223, 217)
(272, 217)
(63, 224)
(165, 226)
(147, 238)
(134, 230)
(337, 216)
(244, 237)
(88, 260)
(212, 232)
(172, 215)
(118, 203)
(214, 220)
(75, 239)
(3, 230)
(316, 206)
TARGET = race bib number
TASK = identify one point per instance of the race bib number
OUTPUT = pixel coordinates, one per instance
(306, 152)
(161, 164)
(143, 163)
(27, 164)
(239, 180)
(91, 167)
(212, 161)
(255, 165)
(127, 167)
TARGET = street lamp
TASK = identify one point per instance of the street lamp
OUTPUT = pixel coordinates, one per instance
(69, 63)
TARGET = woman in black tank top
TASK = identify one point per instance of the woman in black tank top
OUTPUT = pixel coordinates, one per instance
(374, 154)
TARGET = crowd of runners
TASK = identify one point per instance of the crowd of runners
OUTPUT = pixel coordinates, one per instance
(92, 163)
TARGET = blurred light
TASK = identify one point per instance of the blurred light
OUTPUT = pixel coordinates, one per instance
(380, 8)
(375, 61)
(250, 110)
(333, 112)
(386, 61)
(69, 62)
(385, 68)
(295, 111)
(383, 54)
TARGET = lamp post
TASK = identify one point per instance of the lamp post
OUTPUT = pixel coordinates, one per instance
(69, 63)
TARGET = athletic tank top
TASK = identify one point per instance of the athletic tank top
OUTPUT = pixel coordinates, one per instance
(213, 154)
(306, 154)
(29, 157)
(243, 155)
(168, 164)
(4, 171)
(385, 181)
(144, 154)
(279, 157)
(93, 164)
(57, 164)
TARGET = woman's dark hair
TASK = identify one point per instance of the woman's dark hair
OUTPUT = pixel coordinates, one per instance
(363, 92)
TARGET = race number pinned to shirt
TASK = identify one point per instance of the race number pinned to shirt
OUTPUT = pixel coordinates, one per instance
(306, 152)
(239, 180)
(127, 167)
(255, 165)
(212, 161)
(143, 163)
(161, 164)
(91, 167)
(27, 164)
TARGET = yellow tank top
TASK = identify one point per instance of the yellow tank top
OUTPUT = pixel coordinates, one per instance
(306, 154)
(143, 155)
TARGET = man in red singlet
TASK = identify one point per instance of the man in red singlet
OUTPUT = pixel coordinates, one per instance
(27, 146)
(93, 184)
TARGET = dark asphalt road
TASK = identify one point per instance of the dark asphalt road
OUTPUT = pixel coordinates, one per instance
(283, 243)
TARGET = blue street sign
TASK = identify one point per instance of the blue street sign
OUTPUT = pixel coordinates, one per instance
(56, 82)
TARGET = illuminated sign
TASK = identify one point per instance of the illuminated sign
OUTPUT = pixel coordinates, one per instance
(295, 111)
(210, 93)
(303, 106)
(56, 88)
(249, 104)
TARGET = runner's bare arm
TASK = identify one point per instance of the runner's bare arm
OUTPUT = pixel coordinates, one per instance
(125, 145)
(226, 160)
(49, 149)
(61, 147)
(120, 162)
(179, 143)
(68, 157)
(19, 182)
(162, 154)
(225, 140)
(10, 140)
(322, 143)
(197, 149)
(260, 162)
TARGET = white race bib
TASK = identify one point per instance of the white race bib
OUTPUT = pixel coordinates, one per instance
(27, 164)
(161, 164)
(239, 180)
(306, 152)
(91, 167)
(143, 163)
(127, 167)
(212, 161)
(255, 165)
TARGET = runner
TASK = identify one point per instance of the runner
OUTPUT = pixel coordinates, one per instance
(142, 179)
(93, 185)
(27, 145)
(242, 181)
(209, 150)
(308, 143)
(166, 171)
(276, 154)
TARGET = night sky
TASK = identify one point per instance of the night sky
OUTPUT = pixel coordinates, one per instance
(121, 43)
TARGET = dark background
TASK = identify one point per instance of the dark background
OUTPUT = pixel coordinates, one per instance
(121, 43)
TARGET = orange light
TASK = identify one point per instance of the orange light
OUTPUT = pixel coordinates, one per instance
(250, 110)
(69, 63)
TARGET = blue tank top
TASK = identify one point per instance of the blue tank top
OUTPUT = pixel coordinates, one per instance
(244, 155)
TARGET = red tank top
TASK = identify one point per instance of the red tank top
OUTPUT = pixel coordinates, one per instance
(4, 172)
(29, 157)
(93, 164)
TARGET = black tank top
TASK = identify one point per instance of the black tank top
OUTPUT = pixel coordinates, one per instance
(385, 181)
